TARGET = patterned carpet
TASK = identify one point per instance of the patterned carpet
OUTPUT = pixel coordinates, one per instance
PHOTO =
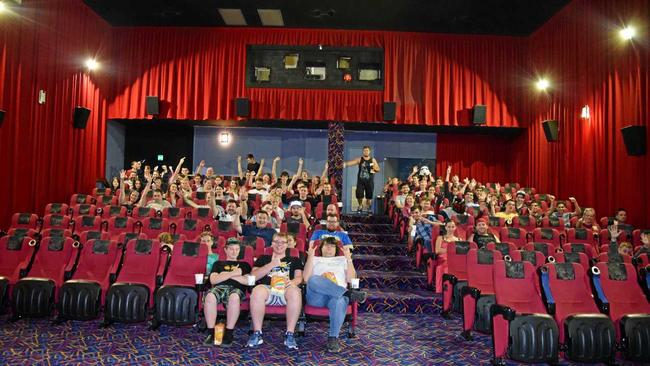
(383, 339)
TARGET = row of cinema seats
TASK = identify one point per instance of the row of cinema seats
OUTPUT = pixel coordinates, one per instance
(545, 240)
(125, 281)
(538, 307)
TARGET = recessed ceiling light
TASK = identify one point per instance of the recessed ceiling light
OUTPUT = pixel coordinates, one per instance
(232, 17)
(271, 17)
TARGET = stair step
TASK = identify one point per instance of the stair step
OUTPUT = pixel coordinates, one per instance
(403, 280)
(369, 228)
(383, 249)
(369, 236)
(383, 262)
(354, 218)
(401, 302)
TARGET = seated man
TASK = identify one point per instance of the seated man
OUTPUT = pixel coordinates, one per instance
(278, 277)
(228, 277)
(509, 213)
(559, 210)
(404, 191)
(332, 229)
(258, 229)
(421, 227)
(327, 278)
(482, 236)
(621, 217)
(297, 214)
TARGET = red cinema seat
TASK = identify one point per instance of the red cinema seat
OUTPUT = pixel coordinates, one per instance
(455, 276)
(521, 328)
(106, 200)
(113, 210)
(545, 248)
(56, 209)
(581, 235)
(56, 221)
(131, 295)
(547, 235)
(534, 257)
(15, 257)
(23, 232)
(606, 257)
(515, 235)
(83, 209)
(24, 221)
(202, 213)
(586, 335)
(80, 298)
(298, 230)
(154, 226)
(495, 224)
(177, 300)
(527, 223)
(464, 221)
(115, 226)
(174, 212)
(53, 264)
(78, 199)
(140, 213)
(191, 228)
(573, 257)
(127, 237)
(87, 223)
(85, 236)
(553, 223)
(478, 295)
(605, 237)
(618, 294)
(102, 192)
(505, 248)
(588, 249)
(256, 243)
(56, 232)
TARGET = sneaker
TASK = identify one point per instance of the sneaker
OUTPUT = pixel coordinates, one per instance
(290, 341)
(357, 296)
(209, 340)
(255, 339)
(359, 210)
(227, 337)
(333, 345)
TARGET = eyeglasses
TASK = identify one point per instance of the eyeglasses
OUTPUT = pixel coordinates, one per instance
(279, 242)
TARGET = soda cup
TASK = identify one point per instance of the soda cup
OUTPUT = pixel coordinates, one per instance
(218, 333)
(354, 283)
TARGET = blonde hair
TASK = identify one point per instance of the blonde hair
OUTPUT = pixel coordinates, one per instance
(166, 238)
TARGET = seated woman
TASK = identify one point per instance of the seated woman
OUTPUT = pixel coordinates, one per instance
(441, 252)
(229, 281)
(588, 220)
(327, 277)
(482, 236)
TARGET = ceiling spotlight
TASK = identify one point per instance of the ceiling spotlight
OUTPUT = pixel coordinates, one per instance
(91, 64)
(627, 33)
(542, 84)
(3, 7)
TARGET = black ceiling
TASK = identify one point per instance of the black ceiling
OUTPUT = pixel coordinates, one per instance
(498, 17)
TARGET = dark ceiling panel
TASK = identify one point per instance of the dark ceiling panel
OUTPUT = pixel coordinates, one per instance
(499, 17)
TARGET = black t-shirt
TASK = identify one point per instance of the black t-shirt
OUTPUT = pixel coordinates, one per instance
(483, 240)
(253, 167)
(288, 264)
(292, 220)
(365, 170)
(229, 266)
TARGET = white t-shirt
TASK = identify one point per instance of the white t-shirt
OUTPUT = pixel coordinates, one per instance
(333, 268)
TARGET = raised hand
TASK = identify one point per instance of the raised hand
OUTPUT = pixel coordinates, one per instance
(415, 169)
(572, 199)
(346, 252)
(311, 251)
(449, 169)
(301, 161)
(122, 174)
(239, 159)
(182, 160)
(276, 159)
(614, 232)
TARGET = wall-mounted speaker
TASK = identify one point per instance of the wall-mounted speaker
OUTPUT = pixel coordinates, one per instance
(551, 130)
(152, 105)
(389, 111)
(242, 107)
(2, 116)
(80, 117)
(634, 138)
(479, 114)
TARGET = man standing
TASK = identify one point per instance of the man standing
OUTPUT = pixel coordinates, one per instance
(368, 166)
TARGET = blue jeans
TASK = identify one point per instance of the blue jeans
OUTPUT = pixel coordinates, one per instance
(322, 292)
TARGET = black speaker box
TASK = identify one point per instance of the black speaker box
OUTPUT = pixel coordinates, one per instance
(389, 111)
(152, 105)
(479, 114)
(635, 140)
(80, 117)
(242, 107)
(551, 130)
(2, 116)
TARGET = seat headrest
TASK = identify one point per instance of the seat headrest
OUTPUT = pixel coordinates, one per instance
(485, 256)
(101, 246)
(554, 221)
(55, 208)
(81, 198)
(503, 248)
(189, 224)
(529, 256)
(224, 225)
(293, 227)
(203, 211)
(572, 257)
(565, 271)
(514, 269)
(191, 249)
(24, 218)
(56, 219)
(55, 244)
(250, 240)
(462, 247)
(617, 271)
(143, 246)
(115, 210)
(120, 222)
(155, 223)
(174, 211)
(200, 195)
(87, 220)
(514, 233)
(524, 220)
(547, 233)
(541, 247)
(578, 248)
(93, 235)
(581, 233)
(84, 209)
(14, 243)
(57, 232)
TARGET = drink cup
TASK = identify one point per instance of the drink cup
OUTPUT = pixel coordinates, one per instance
(198, 278)
(354, 283)
(251, 280)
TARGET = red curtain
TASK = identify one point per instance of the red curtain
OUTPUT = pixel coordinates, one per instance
(434, 79)
(484, 158)
(589, 65)
(43, 159)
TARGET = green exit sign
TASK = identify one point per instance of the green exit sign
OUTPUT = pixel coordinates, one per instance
(161, 157)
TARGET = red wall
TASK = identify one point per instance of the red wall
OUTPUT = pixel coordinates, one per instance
(589, 65)
(42, 159)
